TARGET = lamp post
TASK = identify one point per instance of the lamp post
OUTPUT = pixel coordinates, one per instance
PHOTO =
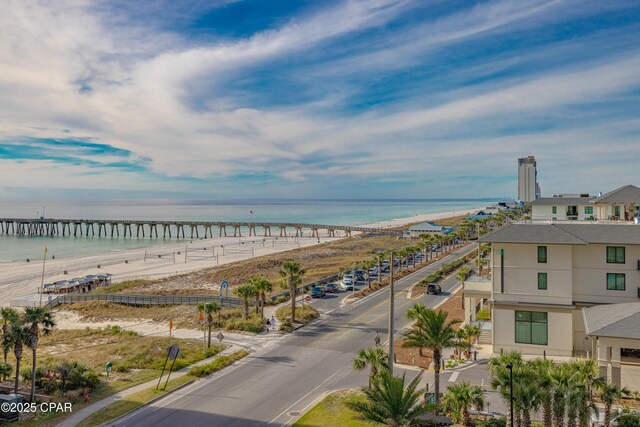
(510, 367)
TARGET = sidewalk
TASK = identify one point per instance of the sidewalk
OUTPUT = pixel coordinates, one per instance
(101, 404)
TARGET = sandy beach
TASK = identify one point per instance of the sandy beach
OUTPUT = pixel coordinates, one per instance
(19, 281)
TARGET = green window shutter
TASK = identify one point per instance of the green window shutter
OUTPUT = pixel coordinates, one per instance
(554, 209)
(542, 281)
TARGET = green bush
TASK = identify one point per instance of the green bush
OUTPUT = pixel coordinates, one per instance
(252, 324)
(628, 420)
(303, 316)
(484, 314)
(75, 375)
(494, 422)
(219, 363)
(286, 326)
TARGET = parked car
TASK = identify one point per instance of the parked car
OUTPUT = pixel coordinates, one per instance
(373, 272)
(331, 288)
(317, 292)
(434, 289)
(359, 274)
(347, 284)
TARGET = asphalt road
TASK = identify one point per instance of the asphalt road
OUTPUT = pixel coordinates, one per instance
(278, 382)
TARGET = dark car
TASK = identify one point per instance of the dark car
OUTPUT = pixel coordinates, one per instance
(434, 289)
(331, 288)
(317, 292)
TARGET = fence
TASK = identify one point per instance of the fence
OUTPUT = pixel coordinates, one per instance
(148, 300)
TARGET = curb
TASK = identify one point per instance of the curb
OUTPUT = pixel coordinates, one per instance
(155, 399)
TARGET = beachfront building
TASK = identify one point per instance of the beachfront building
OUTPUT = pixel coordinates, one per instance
(545, 274)
(528, 188)
(564, 207)
(428, 228)
(620, 204)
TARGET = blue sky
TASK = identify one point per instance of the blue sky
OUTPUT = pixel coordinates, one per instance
(318, 99)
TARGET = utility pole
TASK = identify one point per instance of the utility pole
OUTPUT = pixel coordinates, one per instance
(479, 245)
(391, 358)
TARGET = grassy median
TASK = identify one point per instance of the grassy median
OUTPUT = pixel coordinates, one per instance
(333, 411)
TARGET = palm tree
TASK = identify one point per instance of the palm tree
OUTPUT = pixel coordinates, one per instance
(543, 369)
(263, 286)
(526, 393)
(292, 275)
(38, 320)
(576, 400)
(379, 258)
(609, 393)
(376, 358)
(585, 371)
(367, 265)
(209, 308)
(561, 380)
(245, 292)
(459, 398)
(431, 330)
(8, 316)
(469, 333)
(463, 273)
(18, 336)
(500, 376)
(389, 403)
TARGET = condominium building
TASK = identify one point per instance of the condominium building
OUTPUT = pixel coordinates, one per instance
(561, 207)
(528, 188)
(621, 204)
(545, 274)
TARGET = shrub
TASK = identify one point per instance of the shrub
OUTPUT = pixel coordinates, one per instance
(253, 324)
(494, 422)
(219, 363)
(628, 420)
(484, 314)
(76, 375)
(286, 326)
(303, 316)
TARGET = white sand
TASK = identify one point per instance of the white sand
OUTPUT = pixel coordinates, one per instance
(19, 281)
(398, 222)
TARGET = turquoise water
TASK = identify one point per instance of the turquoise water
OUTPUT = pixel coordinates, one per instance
(335, 212)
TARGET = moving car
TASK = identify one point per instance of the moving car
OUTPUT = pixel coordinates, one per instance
(331, 288)
(317, 292)
(434, 289)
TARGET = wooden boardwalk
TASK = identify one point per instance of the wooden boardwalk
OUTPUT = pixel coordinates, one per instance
(137, 228)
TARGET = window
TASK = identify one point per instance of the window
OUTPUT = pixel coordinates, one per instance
(542, 254)
(615, 254)
(542, 281)
(554, 209)
(588, 210)
(531, 327)
(615, 282)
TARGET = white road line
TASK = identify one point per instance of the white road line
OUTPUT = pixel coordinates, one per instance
(454, 377)
(303, 397)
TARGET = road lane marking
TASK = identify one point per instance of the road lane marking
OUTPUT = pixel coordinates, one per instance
(303, 397)
(454, 377)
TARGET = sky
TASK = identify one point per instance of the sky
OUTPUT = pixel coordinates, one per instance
(316, 99)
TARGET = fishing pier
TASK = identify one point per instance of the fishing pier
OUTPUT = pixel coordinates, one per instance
(136, 228)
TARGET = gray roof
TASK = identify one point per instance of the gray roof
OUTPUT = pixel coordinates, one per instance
(613, 320)
(426, 226)
(561, 201)
(626, 194)
(565, 233)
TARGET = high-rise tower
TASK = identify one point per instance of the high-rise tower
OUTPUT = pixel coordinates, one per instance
(528, 188)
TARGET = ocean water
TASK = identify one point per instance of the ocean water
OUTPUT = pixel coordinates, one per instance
(334, 212)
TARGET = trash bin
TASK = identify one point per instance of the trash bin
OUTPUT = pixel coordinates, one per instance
(11, 399)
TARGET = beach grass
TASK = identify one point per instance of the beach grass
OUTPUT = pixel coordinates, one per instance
(131, 402)
(333, 411)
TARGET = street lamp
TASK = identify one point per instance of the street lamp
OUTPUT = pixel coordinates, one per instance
(510, 367)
